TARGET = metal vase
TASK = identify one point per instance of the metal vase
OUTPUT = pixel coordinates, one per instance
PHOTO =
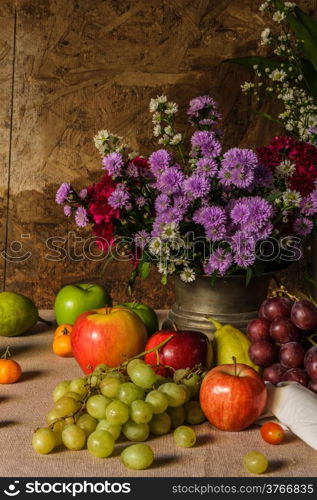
(228, 301)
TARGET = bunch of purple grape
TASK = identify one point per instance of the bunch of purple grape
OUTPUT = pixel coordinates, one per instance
(280, 341)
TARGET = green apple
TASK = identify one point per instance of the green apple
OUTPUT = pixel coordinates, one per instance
(72, 300)
(146, 314)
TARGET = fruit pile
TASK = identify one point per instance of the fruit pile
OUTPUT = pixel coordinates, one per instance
(130, 400)
(281, 341)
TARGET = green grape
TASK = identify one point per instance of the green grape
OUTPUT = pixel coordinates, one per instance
(135, 432)
(133, 363)
(109, 386)
(60, 390)
(114, 430)
(73, 395)
(141, 412)
(142, 375)
(74, 438)
(176, 395)
(129, 392)
(193, 413)
(184, 436)
(177, 415)
(100, 444)
(161, 380)
(67, 406)
(255, 462)
(79, 385)
(96, 405)
(87, 423)
(117, 413)
(52, 416)
(101, 368)
(58, 426)
(193, 382)
(179, 374)
(69, 420)
(137, 456)
(160, 424)
(187, 391)
(43, 440)
(58, 438)
(157, 401)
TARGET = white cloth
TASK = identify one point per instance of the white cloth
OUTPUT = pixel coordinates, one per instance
(295, 407)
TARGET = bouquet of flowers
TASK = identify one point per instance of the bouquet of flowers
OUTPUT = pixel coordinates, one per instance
(193, 209)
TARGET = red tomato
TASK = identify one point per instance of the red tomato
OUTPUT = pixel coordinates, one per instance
(272, 433)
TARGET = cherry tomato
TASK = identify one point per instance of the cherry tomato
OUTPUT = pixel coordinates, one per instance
(272, 433)
(62, 346)
(10, 370)
(65, 329)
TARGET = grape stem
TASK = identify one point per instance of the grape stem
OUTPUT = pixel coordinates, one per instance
(6, 354)
(310, 339)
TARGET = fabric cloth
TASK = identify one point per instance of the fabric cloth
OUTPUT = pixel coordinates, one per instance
(24, 405)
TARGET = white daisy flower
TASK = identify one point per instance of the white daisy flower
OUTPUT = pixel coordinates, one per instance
(285, 169)
(278, 16)
(176, 139)
(168, 130)
(155, 246)
(187, 275)
(169, 231)
(171, 108)
(291, 198)
(278, 75)
(246, 86)
(157, 130)
(100, 137)
(265, 36)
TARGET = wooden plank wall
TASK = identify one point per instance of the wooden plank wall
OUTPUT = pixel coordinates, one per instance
(71, 67)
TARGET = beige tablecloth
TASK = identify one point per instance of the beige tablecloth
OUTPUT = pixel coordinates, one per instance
(23, 407)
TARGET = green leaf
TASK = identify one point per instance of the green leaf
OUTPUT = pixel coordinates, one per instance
(299, 22)
(310, 75)
(248, 276)
(133, 276)
(307, 21)
(269, 117)
(213, 279)
(144, 269)
(249, 62)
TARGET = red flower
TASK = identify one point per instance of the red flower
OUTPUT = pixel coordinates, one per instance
(102, 214)
(303, 155)
(143, 167)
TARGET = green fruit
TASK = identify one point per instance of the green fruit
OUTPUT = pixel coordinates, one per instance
(230, 342)
(146, 314)
(17, 314)
(72, 300)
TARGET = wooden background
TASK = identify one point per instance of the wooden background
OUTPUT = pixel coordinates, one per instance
(71, 67)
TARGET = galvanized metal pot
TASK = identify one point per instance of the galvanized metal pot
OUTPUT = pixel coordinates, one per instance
(228, 301)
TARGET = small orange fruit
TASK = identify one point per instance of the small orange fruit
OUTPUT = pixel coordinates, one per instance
(10, 370)
(65, 329)
(62, 346)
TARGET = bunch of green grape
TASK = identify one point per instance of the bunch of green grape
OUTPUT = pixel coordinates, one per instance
(131, 401)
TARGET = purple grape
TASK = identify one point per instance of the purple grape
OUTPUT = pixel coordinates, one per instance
(259, 329)
(263, 353)
(276, 307)
(296, 375)
(292, 354)
(282, 330)
(304, 314)
(274, 373)
(310, 362)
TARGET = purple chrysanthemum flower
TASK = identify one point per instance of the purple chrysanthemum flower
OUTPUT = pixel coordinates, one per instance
(263, 176)
(206, 166)
(303, 226)
(220, 261)
(205, 141)
(67, 210)
(203, 110)
(170, 181)
(181, 202)
(141, 239)
(240, 213)
(162, 202)
(159, 161)
(242, 243)
(83, 193)
(209, 216)
(81, 217)
(245, 260)
(308, 205)
(119, 198)
(237, 168)
(196, 186)
(113, 163)
(62, 193)
(140, 201)
(132, 170)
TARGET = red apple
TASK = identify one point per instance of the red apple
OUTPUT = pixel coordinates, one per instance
(186, 349)
(107, 335)
(232, 396)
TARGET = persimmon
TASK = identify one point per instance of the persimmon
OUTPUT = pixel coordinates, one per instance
(62, 346)
(10, 370)
(64, 329)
